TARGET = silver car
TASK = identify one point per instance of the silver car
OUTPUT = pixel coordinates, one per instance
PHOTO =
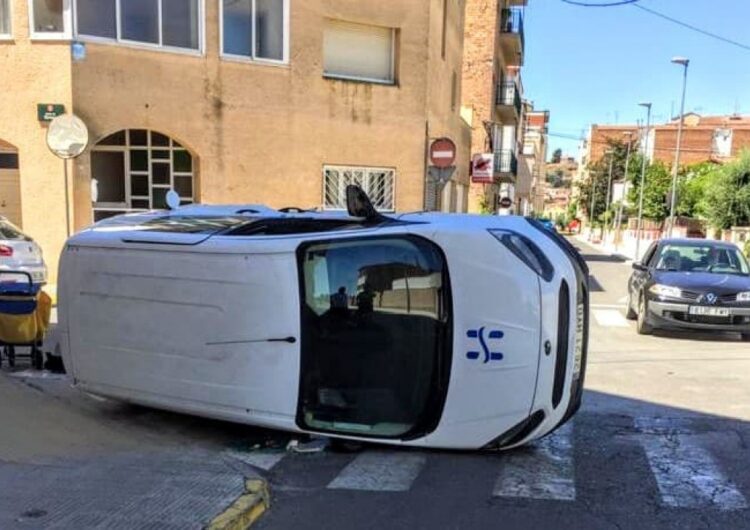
(18, 252)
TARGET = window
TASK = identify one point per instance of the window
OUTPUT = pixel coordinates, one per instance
(375, 330)
(49, 19)
(255, 29)
(378, 183)
(8, 160)
(133, 170)
(357, 51)
(5, 20)
(702, 258)
(167, 23)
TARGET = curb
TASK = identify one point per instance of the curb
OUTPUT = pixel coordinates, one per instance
(244, 511)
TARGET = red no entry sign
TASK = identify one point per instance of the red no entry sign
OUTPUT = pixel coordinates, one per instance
(442, 152)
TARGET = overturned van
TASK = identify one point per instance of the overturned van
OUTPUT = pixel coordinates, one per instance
(423, 329)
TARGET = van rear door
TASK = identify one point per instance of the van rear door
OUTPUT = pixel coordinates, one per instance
(187, 329)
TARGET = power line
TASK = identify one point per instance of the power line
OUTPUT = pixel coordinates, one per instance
(691, 27)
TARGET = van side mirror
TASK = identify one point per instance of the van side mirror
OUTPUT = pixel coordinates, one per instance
(637, 265)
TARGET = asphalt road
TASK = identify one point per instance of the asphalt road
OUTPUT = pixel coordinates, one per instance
(662, 441)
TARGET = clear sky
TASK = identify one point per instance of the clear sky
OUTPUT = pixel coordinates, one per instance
(593, 65)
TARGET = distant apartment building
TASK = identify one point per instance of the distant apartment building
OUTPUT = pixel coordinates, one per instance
(704, 138)
(531, 178)
(282, 102)
(492, 94)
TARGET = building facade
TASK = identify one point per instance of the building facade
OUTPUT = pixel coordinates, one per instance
(281, 102)
(532, 187)
(492, 94)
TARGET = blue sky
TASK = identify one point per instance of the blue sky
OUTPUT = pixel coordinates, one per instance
(593, 65)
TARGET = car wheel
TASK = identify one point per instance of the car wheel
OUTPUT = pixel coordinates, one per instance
(630, 314)
(643, 327)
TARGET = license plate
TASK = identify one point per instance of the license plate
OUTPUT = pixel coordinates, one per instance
(709, 311)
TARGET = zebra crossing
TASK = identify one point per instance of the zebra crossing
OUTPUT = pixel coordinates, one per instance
(680, 462)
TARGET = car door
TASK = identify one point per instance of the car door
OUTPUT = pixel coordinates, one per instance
(642, 272)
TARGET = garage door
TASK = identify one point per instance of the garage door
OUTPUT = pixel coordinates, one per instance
(10, 187)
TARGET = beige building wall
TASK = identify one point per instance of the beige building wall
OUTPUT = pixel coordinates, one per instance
(33, 72)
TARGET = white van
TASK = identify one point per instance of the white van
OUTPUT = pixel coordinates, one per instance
(435, 330)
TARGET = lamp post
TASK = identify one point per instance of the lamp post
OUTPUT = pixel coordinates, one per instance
(643, 181)
(629, 134)
(684, 62)
(609, 152)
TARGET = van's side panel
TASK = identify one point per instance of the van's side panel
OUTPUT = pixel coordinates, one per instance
(200, 330)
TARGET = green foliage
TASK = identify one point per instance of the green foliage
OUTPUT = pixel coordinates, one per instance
(746, 248)
(656, 191)
(727, 194)
(556, 156)
(485, 207)
(693, 182)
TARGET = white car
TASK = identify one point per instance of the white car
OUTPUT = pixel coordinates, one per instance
(20, 253)
(433, 330)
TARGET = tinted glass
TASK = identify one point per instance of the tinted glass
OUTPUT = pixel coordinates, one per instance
(269, 27)
(702, 258)
(139, 20)
(238, 27)
(180, 23)
(109, 171)
(373, 317)
(97, 18)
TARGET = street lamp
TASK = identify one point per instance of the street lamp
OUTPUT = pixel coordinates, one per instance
(643, 180)
(684, 62)
(629, 134)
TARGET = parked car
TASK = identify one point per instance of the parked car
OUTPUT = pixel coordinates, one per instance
(18, 252)
(433, 330)
(548, 224)
(691, 284)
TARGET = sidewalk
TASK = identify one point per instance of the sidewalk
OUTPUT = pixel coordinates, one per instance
(71, 461)
(626, 251)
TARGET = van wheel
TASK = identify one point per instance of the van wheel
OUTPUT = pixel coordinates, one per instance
(643, 327)
(630, 314)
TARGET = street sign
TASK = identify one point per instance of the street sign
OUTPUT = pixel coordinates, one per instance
(442, 152)
(67, 136)
(505, 202)
(482, 167)
(49, 111)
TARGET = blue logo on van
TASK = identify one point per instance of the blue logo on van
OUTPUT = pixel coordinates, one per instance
(489, 355)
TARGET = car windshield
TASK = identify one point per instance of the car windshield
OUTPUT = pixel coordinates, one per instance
(9, 232)
(702, 258)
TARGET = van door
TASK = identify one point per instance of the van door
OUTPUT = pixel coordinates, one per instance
(376, 336)
(204, 332)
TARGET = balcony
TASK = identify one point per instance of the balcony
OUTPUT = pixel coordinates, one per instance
(506, 166)
(508, 101)
(512, 40)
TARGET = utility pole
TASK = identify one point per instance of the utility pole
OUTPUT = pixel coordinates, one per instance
(609, 185)
(629, 134)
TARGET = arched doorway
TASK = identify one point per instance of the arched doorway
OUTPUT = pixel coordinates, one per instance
(10, 184)
(133, 169)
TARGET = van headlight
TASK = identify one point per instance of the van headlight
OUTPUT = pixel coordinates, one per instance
(743, 297)
(525, 250)
(665, 291)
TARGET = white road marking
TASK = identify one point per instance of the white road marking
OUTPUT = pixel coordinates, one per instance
(610, 318)
(686, 473)
(262, 460)
(542, 471)
(380, 471)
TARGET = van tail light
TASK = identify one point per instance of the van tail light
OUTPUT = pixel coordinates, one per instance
(6, 251)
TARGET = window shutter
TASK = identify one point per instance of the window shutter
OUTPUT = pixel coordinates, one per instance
(358, 51)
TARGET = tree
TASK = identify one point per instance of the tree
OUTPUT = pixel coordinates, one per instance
(656, 191)
(556, 156)
(727, 197)
(693, 183)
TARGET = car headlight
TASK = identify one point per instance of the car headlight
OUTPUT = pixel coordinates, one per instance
(665, 291)
(743, 297)
(527, 251)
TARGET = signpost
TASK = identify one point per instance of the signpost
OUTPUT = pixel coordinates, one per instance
(442, 153)
(505, 202)
(67, 137)
(49, 111)
(482, 168)
(442, 158)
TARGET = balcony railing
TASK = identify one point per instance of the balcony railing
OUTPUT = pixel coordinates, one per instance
(508, 94)
(506, 163)
(511, 21)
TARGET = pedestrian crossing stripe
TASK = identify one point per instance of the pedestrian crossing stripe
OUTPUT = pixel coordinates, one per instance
(685, 472)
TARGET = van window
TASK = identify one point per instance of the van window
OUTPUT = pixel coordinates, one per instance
(375, 336)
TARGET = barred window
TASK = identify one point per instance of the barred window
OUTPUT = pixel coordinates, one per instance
(378, 183)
